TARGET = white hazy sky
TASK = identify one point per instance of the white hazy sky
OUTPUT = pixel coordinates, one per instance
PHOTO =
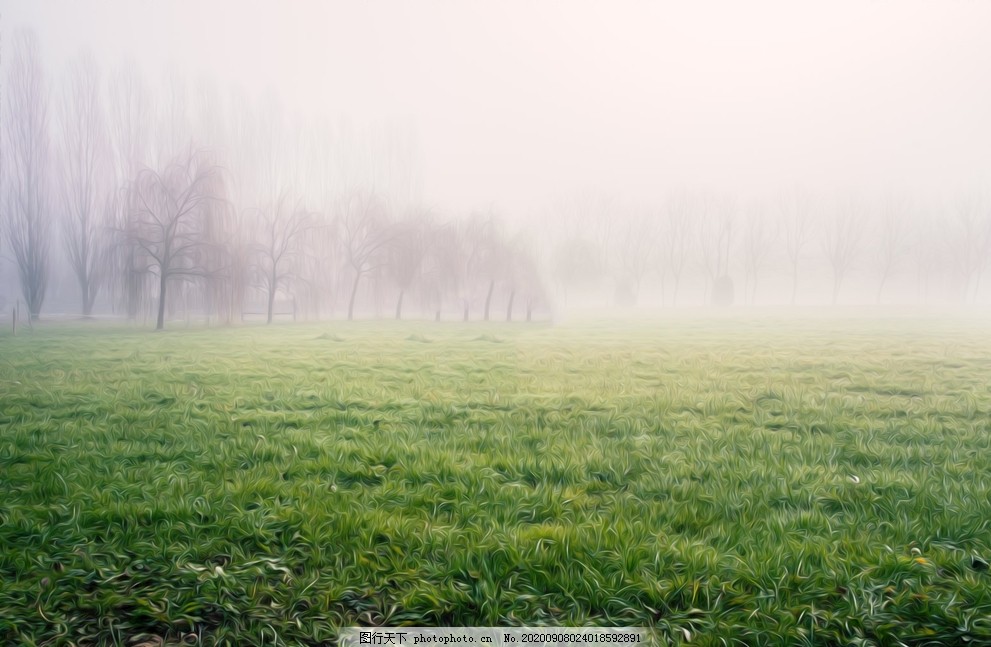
(517, 104)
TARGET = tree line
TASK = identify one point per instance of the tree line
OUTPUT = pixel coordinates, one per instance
(181, 202)
(186, 199)
(794, 247)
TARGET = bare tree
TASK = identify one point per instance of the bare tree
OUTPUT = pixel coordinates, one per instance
(758, 241)
(716, 216)
(366, 233)
(27, 223)
(215, 122)
(971, 243)
(407, 252)
(441, 273)
(222, 259)
(492, 258)
(638, 251)
(676, 237)
(582, 253)
(476, 260)
(925, 253)
(169, 219)
(523, 276)
(892, 234)
(535, 290)
(84, 170)
(841, 240)
(283, 228)
(129, 107)
(317, 265)
(796, 227)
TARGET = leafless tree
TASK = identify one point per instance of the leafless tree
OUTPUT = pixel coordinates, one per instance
(638, 248)
(365, 234)
(891, 231)
(27, 221)
(283, 225)
(925, 234)
(407, 251)
(970, 242)
(84, 181)
(585, 239)
(477, 258)
(717, 214)
(441, 273)
(222, 260)
(215, 123)
(758, 242)
(841, 239)
(522, 275)
(316, 266)
(492, 257)
(676, 238)
(169, 218)
(795, 207)
(129, 109)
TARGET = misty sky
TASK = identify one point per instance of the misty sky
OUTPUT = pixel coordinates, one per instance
(519, 104)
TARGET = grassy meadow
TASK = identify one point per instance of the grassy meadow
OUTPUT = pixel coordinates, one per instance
(754, 481)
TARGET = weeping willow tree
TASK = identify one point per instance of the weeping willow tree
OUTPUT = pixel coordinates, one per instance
(171, 218)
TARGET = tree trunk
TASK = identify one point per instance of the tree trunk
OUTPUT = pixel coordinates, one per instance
(466, 310)
(399, 305)
(271, 299)
(354, 293)
(529, 311)
(160, 324)
(488, 298)
(133, 287)
(509, 308)
(437, 316)
(84, 288)
(35, 309)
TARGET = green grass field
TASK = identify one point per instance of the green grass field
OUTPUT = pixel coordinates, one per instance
(756, 481)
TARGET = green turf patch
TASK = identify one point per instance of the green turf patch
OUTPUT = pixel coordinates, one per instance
(724, 482)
